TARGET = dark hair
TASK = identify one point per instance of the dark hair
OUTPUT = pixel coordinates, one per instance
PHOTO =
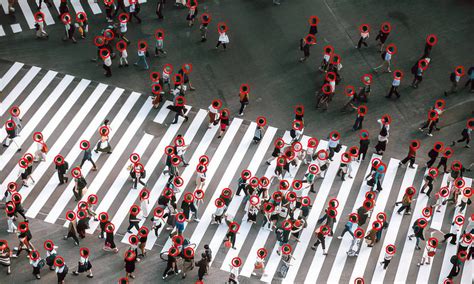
(106, 121)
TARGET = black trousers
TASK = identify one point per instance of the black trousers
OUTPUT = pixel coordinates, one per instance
(431, 162)
(72, 235)
(361, 42)
(393, 90)
(358, 123)
(429, 125)
(320, 241)
(362, 154)
(170, 268)
(159, 9)
(61, 177)
(108, 70)
(242, 107)
(464, 138)
(134, 14)
(133, 224)
(404, 207)
(223, 44)
(408, 158)
(386, 262)
(442, 162)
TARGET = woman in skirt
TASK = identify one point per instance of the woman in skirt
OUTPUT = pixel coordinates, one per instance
(109, 238)
(130, 259)
(84, 263)
(192, 13)
(224, 122)
(5, 256)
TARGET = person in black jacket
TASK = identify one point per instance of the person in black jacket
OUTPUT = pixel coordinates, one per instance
(61, 166)
(363, 145)
(88, 157)
(382, 36)
(470, 80)
(202, 264)
(466, 134)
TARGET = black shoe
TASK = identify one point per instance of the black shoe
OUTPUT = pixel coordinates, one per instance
(268, 163)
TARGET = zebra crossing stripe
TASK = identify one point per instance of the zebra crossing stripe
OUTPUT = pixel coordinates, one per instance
(262, 236)
(4, 4)
(381, 202)
(47, 15)
(77, 6)
(237, 200)
(94, 7)
(52, 184)
(16, 28)
(27, 13)
(318, 206)
(193, 162)
(162, 180)
(66, 134)
(452, 249)
(67, 194)
(31, 99)
(409, 246)
(7, 77)
(318, 259)
(436, 223)
(230, 172)
(121, 180)
(345, 243)
(214, 162)
(467, 272)
(152, 163)
(31, 125)
(2, 31)
(19, 88)
(104, 172)
(245, 226)
(394, 225)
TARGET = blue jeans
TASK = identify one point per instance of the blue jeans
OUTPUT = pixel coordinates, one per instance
(142, 62)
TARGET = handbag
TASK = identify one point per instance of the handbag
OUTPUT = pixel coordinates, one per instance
(41, 263)
(227, 244)
(44, 148)
(431, 253)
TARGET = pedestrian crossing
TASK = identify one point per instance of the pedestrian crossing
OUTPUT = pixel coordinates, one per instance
(68, 110)
(25, 10)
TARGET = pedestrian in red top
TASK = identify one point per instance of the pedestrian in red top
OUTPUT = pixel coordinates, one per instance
(414, 146)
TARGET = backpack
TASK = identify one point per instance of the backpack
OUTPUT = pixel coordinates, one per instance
(66, 165)
(293, 133)
(44, 148)
(452, 77)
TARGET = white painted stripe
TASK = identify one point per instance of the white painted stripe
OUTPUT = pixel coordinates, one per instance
(381, 202)
(111, 160)
(190, 170)
(16, 28)
(451, 249)
(394, 226)
(94, 7)
(56, 4)
(152, 163)
(57, 147)
(19, 88)
(150, 166)
(76, 4)
(318, 205)
(162, 180)
(219, 235)
(319, 258)
(246, 226)
(47, 15)
(2, 31)
(27, 13)
(31, 99)
(231, 170)
(214, 162)
(468, 272)
(7, 77)
(409, 246)
(263, 234)
(341, 255)
(30, 127)
(4, 4)
(49, 129)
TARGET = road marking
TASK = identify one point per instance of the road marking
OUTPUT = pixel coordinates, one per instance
(57, 147)
(7, 77)
(19, 88)
(76, 151)
(30, 127)
(31, 99)
(255, 163)
(380, 203)
(394, 226)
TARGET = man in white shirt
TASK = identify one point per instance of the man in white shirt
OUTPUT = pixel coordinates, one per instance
(397, 78)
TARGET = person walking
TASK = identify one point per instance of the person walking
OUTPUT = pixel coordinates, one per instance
(243, 98)
(192, 12)
(321, 233)
(5, 256)
(202, 265)
(24, 238)
(363, 145)
(387, 58)
(305, 44)
(364, 35)
(61, 269)
(205, 20)
(223, 37)
(429, 252)
(465, 134)
(414, 146)
(61, 167)
(36, 262)
(397, 78)
(130, 260)
(418, 229)
(106, 61)
(109, 238)
(160, 42)
(406, 202)
(418, 70)
(429, 179)
(172, 263)
(383, 34)
(142, 54)
(72, 228)
(455, 77)
(470, 79)
(381, 146)
(160, 5)
(12, 132)
(40, 26)
(134, 10)
(84, 264)
(389, 253)
(361, 112)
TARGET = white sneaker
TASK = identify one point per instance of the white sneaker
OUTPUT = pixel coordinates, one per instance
(340, 237)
